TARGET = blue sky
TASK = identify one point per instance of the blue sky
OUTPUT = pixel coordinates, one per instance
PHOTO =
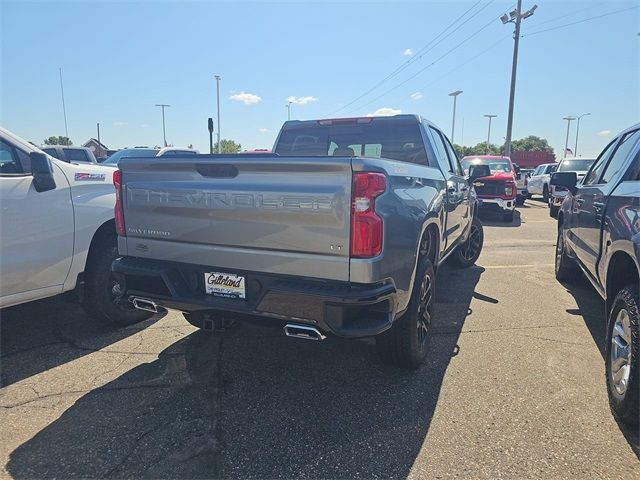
(120, 59)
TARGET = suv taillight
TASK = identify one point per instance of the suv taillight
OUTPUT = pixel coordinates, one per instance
(119, 210)
(366, 225)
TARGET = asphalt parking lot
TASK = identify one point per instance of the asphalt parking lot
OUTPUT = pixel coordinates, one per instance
(513, 387)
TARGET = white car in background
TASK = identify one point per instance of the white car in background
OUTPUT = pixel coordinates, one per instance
(556, 194)
(113, 160)
(57, 231)
(539, 182)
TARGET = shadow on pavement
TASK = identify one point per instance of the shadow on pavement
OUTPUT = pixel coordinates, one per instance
(38, 336)
(493, 219)
(591, 308)
(251, 403)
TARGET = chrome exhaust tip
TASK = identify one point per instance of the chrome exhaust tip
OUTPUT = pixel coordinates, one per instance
(145, 304)
(304, 332)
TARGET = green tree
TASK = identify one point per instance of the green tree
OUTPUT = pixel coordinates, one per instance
(531, 144)
(227, 146)
(59, 140)
(479, 149)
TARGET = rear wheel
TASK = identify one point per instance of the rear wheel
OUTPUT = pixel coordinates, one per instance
(623, 355)
(567, 269)
(406, 343)
(553, 211)
(467, 253)
(520, 200)
(103, 294)
(545, 193)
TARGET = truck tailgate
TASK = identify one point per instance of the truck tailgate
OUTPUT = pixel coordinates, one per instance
(266, 213)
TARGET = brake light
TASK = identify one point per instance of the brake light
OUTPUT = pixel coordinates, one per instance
(345, 121)
(366, 225)
(119, 210)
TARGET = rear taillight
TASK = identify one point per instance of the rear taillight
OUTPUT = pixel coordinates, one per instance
(366, 225)
(119, 210)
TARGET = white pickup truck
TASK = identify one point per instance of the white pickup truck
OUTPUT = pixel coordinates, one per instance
(57, 231)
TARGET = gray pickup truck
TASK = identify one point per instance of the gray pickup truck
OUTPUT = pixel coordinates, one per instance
(339, 231)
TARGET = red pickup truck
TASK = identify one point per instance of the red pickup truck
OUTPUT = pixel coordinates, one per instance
(498, 191)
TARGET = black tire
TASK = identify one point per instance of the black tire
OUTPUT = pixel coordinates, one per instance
(553, 211)
(545, 193)
(467, 253)
(566, 268)
(100, 299)
(406, 343)
(625, 334)
(520, 200)
(507, 216)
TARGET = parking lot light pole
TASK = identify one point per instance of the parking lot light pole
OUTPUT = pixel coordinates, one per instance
(489, 133)
(453, 123)
(288, 105)
(164, 132)
(566, 142)
(516, 16)
(218, 78)
(575, 150)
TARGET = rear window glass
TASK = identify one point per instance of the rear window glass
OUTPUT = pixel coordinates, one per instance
(76, 155)
(576, 165)
(378, 139)
(51, 151)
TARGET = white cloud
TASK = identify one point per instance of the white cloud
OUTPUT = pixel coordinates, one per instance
(264, 130)
(604, 133)
(416, 96)
(302, 100)
(408, 52)
(384, 112)
(120, 124)
(246, 98)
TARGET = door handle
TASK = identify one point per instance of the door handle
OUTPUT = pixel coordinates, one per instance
(597, 206)
(579, 201)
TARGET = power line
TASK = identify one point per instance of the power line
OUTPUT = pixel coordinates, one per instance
(580, 21)
(493, 19)
(420, 53)
(571, 14)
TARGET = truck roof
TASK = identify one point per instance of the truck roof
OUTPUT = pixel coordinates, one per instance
(404, 118)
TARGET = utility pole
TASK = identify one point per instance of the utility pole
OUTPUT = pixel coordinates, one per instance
(218, 78)
(164, 132)
(575, 150)
(64, 108)
(566, 142)
(100, 143)
(453, 123)
(489, 133)
(516, 16)
(288, 105)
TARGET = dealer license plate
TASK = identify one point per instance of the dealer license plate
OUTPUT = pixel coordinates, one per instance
(224, 285)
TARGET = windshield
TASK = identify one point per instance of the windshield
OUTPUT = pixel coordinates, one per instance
(132, 152)
(496, 165)
(579, 165)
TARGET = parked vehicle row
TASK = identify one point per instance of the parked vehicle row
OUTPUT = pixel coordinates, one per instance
(539, 182)
(599, 235)
(557, 194)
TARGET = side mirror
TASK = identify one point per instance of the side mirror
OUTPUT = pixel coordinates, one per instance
(568, 180)
(479, 171)
(42, 172)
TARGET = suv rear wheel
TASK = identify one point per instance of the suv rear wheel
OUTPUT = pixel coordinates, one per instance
(406, 343)
(623, 355)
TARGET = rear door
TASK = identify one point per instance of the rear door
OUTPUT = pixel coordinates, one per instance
(590, 202)
(457, 204)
